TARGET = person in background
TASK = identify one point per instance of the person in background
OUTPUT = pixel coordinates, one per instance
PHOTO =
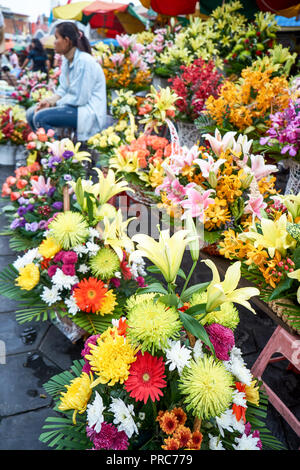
(13, 59)
(38, 57)
(2, 38)
(80, 99)
(8, 76)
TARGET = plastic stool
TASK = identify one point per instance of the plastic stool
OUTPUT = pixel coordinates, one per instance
(289, 346)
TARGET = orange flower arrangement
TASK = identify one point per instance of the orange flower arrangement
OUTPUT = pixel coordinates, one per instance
(250, 100)
(172, 423)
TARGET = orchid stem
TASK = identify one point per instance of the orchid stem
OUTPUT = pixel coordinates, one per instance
(189, 276)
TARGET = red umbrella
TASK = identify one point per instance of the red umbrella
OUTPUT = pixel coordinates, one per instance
(102, 15)
(275, 6)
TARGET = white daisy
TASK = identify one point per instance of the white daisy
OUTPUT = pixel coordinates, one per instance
(123, 416)
(27, 258)
(92, 248)
(93, 233)
(240, 371)
(80, 250)
(246, 443)
(177, 356)
(72, 305)
(215, 443)
(239, 398)
(62, 281)
(197, 350)
(225, 422)
(83, 268)
(95, 413)
(50, 296)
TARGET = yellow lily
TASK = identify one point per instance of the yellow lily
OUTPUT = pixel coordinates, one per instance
(220, 292)
(296, 275)
(108, 186)
(166, 254)
(292, 203)
(79, 156)
(274, 236)
(114, 233)
(128, 164)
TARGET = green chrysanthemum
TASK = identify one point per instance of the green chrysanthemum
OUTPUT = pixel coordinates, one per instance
(206, 385)
(69, 229)
(151, 324)
(227, 316)
(105, 263)
(137, 299)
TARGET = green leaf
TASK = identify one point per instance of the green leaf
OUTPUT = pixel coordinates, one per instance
(155, 287)
(212, 237)
(196, 310)
(193, 289)
(283, 285)
(153, 269)
(182, 274)
(195, 328)
(79, 192)
(169, 299)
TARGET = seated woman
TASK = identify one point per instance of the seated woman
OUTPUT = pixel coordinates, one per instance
(80, 99)
(38, 56)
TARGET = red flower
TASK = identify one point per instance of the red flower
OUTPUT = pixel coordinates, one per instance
(127, 274)
(89, 294)
(146, 378)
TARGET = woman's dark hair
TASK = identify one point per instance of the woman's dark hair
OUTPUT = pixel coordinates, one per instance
(66, 29)
(37, 45)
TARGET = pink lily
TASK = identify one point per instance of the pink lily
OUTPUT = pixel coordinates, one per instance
(255, 205)
(124, 40)
(117, 59)
(206, 166)
(218, 143)
(184, 157)
(137, 47)
(259, 168)
(135, 58)
(40, 187)
(196, 203)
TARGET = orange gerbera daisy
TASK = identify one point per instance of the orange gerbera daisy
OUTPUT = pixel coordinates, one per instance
(90, 294)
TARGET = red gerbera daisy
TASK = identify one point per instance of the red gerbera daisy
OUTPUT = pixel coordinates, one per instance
(146, 378)
(89, 294)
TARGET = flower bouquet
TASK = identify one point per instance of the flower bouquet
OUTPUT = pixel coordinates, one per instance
(221, 187)
(167, 375)
(13, 126)
(125, 67)
(107, 141)
(269, 252)
(36, 191)
(193, 85)
(80, 269)
(140, 162)
(247, 104)
(28, 83)
(37, 144)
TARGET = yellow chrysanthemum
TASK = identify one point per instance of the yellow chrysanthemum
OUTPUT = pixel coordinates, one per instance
(69, 229)
(77, 395)
(136, 299)
(252, 393)
(49, 247)
(111, 357)
(29, 277)
(207, 387)
(109, 304)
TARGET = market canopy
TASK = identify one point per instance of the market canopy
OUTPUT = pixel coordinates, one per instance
(287, 8)
(109, 18)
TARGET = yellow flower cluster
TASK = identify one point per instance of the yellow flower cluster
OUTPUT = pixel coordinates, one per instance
(114, 136)
(253, 97)
(111, 357)
(29, 277)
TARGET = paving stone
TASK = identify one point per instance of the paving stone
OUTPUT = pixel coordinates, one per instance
(22, 378)
(13, 435)
(285, 383)
(281, 430)
(21, 338)
(60, 349)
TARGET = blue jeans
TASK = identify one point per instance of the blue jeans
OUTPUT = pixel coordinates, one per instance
(49, 118)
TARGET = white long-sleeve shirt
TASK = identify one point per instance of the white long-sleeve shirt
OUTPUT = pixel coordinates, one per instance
(82, 84)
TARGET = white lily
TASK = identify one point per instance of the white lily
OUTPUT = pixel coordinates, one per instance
(220, 292)
(114, 233)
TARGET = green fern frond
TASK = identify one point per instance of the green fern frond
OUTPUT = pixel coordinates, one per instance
(92, 323)
(18, 243)
(64, 435)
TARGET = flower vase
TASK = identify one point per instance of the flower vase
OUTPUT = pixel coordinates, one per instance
(293, 184)
(188, 133)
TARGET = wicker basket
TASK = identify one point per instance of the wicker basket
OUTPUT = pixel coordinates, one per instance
(211, 249)
(279, 311)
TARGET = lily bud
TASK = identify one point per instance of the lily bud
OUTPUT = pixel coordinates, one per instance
(212, 179)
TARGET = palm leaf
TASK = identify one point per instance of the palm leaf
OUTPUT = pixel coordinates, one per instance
(37, 311)
(64, 435)
(19, 243)
(57, 384)
(257, 417)
(8, 287)
(92, 323)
